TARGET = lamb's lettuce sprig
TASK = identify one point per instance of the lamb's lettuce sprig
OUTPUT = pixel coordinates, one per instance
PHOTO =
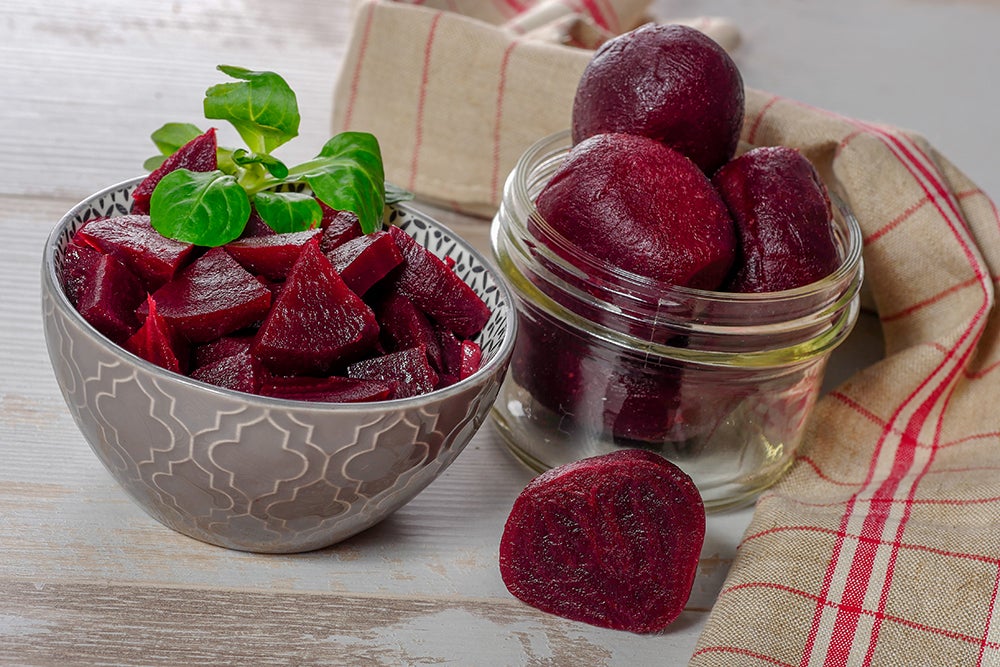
(212, 208)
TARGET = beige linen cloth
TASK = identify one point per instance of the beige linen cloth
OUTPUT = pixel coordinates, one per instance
(881, 546)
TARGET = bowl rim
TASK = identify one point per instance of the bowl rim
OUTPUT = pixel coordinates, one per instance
(52, 285)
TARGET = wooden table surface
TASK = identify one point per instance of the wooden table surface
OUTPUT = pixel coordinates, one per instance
(86, 577)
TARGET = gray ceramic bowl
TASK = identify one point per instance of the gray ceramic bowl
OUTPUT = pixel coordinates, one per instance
(254, 473)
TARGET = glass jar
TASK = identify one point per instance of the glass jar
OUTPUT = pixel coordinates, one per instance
(719, 383)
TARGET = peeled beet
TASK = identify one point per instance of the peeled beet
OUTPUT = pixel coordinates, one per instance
(612, 540)
(668, 82)
(783, 218)
(641, 206)
(131, 239)
(316, 321)
(270, 255)
(437, 290)
(212, 297)
(107, 297)
(158, 343)
(408, 371)
(199, 154)
(238, 372)
(365, 260)
(332, 389)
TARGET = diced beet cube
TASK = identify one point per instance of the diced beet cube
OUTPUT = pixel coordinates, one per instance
(79, 261)
(472, 357)
(220, 348)
(158, 343)
(408, 369)
(332, 389)
(451, 352)
(131, 240)
(199, 154)
(316, 322)
(212, 297)
(437, 290)
(271, 255)
(403, 326)
(108, 297)
(612, 540)
(364, 261)
(338, 227)
(238, 372)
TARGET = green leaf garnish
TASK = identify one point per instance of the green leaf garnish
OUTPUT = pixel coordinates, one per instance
(395, 194)
(288, 211)
(212, 209)
(347, 175)
(262, 107)
(202, 207)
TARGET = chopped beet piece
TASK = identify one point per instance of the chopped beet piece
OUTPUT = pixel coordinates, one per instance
(199, 154)
(79, 261)
(271, 255)
(212, 297)
(256, 226)
(409, 369)
(437, 290)
(316, 321)
(364, 261)
(220, 348)
(338, 227)
(403, 325)
(472, 356)
(158, 343)
(130, 239)
(612, 540)
(108, 297)
(238, 372)
(332, 389)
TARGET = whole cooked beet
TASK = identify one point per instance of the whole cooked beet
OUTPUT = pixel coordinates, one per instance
(783, 218)
(668, 82)
(641, 206)
(611, 540)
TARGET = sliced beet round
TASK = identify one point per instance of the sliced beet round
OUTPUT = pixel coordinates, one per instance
(611, 540)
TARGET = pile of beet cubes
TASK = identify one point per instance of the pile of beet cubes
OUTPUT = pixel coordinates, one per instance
(328, 314)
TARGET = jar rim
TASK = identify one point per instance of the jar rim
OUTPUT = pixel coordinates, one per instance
(834, 295)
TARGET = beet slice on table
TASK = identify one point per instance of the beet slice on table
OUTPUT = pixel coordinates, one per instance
(612, 541)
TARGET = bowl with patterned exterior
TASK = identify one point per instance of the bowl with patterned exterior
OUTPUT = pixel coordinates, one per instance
(255, 473)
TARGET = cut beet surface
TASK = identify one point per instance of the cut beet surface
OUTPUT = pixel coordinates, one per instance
(79, 261)
(107, 297)
(333, 389)
(131, 240)
(402, 326)
(199, 154)
(612, 541)
(158, 343)
(271, 255)
(212, 297)
(437, 290)
(364, 261)
(316, 322)
(238, 372)
(338, 227)
(408, 370)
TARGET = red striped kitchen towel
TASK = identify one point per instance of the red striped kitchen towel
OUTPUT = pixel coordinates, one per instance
(881, 546)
